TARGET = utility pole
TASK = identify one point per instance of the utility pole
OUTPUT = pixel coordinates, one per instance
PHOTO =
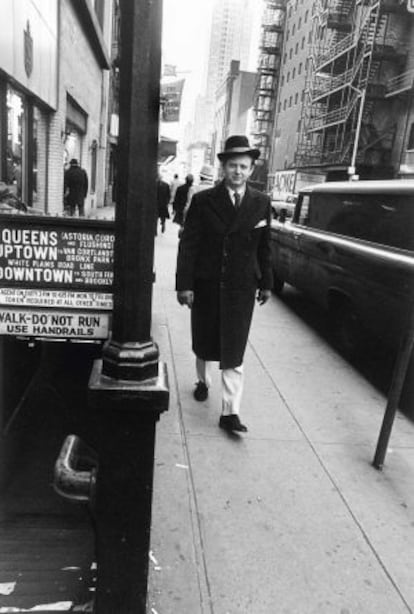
(128, 388)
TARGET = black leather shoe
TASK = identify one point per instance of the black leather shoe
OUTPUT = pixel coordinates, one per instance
(232, 423)
(201, 392)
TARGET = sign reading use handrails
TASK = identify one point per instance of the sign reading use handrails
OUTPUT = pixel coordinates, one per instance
(56, 277)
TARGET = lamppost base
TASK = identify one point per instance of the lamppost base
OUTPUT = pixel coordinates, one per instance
(134, 361)
(145, 396)
(125, 413)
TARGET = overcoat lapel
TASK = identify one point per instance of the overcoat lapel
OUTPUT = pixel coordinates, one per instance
(247, 210)
(221, 203)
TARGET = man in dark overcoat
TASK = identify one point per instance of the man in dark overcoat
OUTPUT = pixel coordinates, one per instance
(224, 263)
(163, 199)
(75, 188)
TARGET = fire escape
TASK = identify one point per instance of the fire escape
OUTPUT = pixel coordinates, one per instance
(353, 68)
(267, 84)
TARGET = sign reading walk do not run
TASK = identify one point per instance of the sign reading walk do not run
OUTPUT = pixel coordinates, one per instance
(56, 277)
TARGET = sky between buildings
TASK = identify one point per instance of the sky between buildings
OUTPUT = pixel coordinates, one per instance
(186, 35)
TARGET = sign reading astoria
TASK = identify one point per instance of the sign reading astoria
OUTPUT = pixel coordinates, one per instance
(56, 276)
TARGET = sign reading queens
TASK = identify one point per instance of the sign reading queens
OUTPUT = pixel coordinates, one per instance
(56, 276)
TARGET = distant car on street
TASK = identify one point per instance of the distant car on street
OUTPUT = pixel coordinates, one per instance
(350, 247)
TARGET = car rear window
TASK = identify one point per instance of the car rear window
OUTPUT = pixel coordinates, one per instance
(386, 219)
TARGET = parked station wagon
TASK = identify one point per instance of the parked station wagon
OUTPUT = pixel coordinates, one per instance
(350, 247)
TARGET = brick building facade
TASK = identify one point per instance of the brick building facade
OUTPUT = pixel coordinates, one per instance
(65, 45)
(342, 103)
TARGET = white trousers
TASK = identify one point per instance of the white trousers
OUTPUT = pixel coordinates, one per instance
(232, 381)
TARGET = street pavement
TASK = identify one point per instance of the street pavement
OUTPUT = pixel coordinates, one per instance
(291, 518)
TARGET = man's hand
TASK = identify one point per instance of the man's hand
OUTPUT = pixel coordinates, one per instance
(186, 297)
(263, 296)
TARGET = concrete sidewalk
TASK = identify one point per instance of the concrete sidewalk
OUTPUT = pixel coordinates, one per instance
(291, 518)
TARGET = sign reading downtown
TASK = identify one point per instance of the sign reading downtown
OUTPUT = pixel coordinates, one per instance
(56, 277)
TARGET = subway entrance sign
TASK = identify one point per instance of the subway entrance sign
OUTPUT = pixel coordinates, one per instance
(56, 277)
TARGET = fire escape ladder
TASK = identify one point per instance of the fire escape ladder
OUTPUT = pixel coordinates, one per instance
(267, 83)
(331, 110)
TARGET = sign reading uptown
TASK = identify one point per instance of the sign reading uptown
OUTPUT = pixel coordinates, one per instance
(56, 277)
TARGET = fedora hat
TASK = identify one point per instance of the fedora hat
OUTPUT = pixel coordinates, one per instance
(206, 172)
(238, 145)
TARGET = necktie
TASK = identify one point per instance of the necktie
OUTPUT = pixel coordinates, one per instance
(237, 199)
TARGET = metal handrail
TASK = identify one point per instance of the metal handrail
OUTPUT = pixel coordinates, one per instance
(347, 42)
(70, 482)
(403, 81)
(336, 116)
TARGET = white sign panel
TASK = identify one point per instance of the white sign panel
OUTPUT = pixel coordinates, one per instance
(34, 297)
(54, 324)
(284, 184)
(29, 45)
(410, 6)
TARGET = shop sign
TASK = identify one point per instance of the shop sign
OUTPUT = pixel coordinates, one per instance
(292, 181)
(284, 184)
(171, 93)
(56, 277)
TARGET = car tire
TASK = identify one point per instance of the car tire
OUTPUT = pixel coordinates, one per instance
(347, 329)
(277, 284)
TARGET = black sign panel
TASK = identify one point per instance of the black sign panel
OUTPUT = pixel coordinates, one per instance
(56, 253)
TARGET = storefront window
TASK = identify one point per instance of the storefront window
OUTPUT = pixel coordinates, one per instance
(16, 145)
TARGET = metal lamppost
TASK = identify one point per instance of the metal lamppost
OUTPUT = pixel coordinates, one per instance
(128, 389)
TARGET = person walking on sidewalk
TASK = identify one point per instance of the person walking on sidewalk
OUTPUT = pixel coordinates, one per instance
(223, 263)
(163, 200)
(75, 188)
(206, 181)
(180, 200)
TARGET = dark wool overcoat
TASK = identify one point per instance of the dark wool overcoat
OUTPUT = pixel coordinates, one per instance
(76, 182)
(224, 256)
(163, 198)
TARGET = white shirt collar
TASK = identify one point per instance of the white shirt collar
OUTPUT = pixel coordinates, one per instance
(231, 192)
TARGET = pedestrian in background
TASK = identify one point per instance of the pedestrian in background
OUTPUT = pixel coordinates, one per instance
(163, 199)
(206, 181)
(75, 188)
(224, 262)
(180, 199)
(175, 183)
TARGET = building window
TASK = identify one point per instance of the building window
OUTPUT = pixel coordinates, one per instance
(300, 23)
(16, 175)
(284, 58)
(299, 125)
(293, 73)
(300, 68)
(287, 34)
(290, 101)
(410, 144)
(23, 147)
(303, 43)
(283, 80)
(306, 15)
(290, 12)
(290, 54)
(310, 37)
(296, 48)
(296, 97)
(284, 104)
(288, 77)
(293, 29)
(279, 108)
